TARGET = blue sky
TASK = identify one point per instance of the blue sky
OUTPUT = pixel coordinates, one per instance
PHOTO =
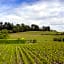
(16, 2)
(40, 12)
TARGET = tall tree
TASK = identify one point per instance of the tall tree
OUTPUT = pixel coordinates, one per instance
(23, 27)
(1, 25)
(46, 28)
(34, 27)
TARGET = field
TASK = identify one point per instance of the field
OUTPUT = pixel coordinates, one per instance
(45, 51)
(34, 35)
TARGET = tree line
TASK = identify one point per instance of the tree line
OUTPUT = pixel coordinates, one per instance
(22, 27)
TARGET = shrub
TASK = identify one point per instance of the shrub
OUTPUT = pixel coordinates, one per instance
(55, 39)
(4, 34)
(63, 39)
(58, 39)
(34, 41)
(19, 40)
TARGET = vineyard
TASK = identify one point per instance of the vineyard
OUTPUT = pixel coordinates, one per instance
(37, 53)
(32, 48)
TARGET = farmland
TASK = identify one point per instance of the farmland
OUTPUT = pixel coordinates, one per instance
(45, 51)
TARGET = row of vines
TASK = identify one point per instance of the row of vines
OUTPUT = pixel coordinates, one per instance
(42, 53)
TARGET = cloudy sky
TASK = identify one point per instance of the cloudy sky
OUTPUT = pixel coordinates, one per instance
(40, 12)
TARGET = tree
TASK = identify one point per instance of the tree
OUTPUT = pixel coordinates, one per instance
(23, 28)
(8, 26)
(1, 25)
(27, 27)
(34, 27)
(15, 29)
(46, 28)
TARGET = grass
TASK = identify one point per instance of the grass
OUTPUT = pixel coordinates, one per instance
(41, 53)
(45, 51)
(37, 35)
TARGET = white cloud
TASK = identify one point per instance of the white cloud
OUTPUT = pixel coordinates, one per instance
(40, 13)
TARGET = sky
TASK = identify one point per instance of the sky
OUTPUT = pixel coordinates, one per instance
(40, 12)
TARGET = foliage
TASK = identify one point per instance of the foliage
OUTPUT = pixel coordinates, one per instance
(34, 27)
(16, 41)
(60, 39)
(22, 27)
(41, 53)
(45, 51)
(46, 28)
(3, 34)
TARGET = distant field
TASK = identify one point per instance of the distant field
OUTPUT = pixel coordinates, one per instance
(40, 36)
(45, 51)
